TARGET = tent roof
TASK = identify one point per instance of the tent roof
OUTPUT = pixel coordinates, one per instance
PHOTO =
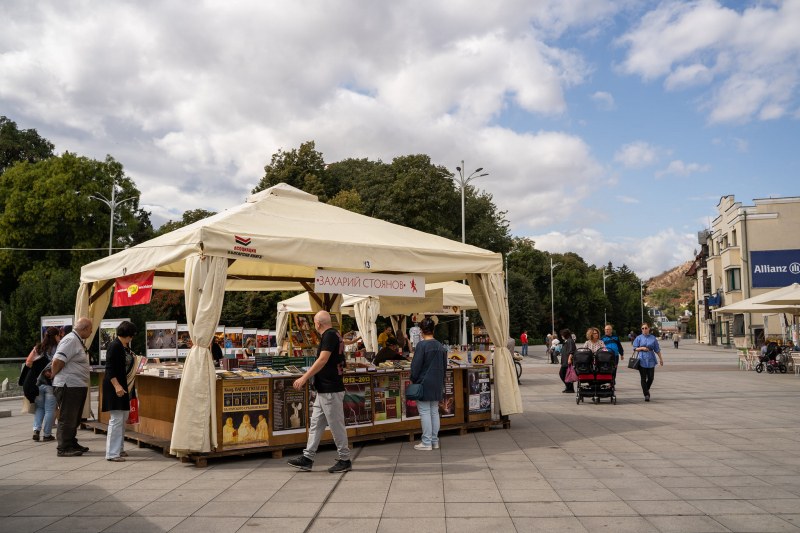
(281, 235)
(769, 302)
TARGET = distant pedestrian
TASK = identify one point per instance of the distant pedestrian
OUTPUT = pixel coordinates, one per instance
(554, 351)
(613, 343)
(524, 341)
(38, 380)
(631, 336)
(676, 338)
(548, 341)
(646, 345)
(567, 349)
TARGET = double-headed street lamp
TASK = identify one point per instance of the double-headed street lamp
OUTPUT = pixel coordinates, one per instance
(462, 182)
(605, 317)
(112, 205)
(552, 297)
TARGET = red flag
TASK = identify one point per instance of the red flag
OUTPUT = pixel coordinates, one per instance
(135, 289)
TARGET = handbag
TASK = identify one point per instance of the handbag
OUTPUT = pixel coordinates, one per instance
(571, 376)
(414, 391)
(633, 362)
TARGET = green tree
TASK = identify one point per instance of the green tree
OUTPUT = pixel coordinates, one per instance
(18, 146)
(301, 168)
(189, 217)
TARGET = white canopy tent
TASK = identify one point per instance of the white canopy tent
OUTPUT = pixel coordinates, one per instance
(783, 300)
(276, 241)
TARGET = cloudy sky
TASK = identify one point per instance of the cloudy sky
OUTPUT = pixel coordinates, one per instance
(609, 127)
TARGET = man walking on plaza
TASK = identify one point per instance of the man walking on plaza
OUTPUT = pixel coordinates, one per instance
(523, 339)
(328, 380)
(71, 385)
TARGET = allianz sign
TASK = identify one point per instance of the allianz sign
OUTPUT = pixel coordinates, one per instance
(775, 268)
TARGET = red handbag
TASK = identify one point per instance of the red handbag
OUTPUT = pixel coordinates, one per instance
(133, 414)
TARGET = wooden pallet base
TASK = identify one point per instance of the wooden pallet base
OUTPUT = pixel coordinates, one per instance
(201, 460)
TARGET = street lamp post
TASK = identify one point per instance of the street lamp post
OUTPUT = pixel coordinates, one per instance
(641, 298)
(552, 297)
(605, 316)
(462, 183)
(112, 205)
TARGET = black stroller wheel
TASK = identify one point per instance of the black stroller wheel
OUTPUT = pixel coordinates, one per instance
(770, 369)
(578, 400)
(760, 367)
(614, 400)
(783, 368)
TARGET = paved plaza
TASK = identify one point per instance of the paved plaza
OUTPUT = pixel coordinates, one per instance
(717, 449)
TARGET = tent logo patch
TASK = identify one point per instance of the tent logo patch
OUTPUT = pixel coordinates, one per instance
(243, 241)
(243, 248)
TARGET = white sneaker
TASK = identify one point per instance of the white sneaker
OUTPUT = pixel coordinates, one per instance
(435, 445)
(423, 447)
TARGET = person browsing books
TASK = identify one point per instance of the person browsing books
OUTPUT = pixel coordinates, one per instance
(389, 352)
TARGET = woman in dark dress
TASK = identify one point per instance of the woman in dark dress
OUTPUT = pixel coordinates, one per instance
(567, 349)
(116, 400)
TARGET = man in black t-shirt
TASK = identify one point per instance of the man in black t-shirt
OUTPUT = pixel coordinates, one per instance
(328, 374)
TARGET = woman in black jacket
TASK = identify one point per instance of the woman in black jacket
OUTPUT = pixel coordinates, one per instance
(38, 387)
(567, 350)
(116, 400)
(427, 368)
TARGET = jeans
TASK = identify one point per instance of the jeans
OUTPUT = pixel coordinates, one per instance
(524, 349)
(328, 410)
(429, 416)
(45, 410)
(70, 400)
(647, 375)
(115, 438)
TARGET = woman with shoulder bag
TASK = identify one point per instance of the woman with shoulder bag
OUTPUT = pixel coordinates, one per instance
(647, 348)
(116, 398)
(38, 386)
(427, 369)
(567, 349)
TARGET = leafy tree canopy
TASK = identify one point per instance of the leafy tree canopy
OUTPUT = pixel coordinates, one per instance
(18, 145)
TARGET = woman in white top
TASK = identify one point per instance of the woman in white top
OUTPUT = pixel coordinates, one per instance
(593, 341)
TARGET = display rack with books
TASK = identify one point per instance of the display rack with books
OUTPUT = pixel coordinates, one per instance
(480, 338)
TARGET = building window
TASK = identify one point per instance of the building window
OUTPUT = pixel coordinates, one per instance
(733, 278)
(738, 326)
(733, 237)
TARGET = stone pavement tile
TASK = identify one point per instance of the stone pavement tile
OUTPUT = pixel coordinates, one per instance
(207, 484)
(632, 483)
(791, 518)
(27, 524)
(82, 494)
(137, 495)
(778, 506)
(260, 495)
(538, 509)
(403, 525)
(618, 524)
(354, 510)
(755, 523)
(420, 494)
(715, 471)
(469, 484)
(548, 525)
(477, 496)
(762, 493)
(184, 495)
(475, 510)
(522, 484)
(480, 524)
(535, 495)
(113, 483)
(110, 508)
(651, 493)
(587, 495)
(737, 481)
(158, 484)
(685, 481)
(160, 508)
(616, 473)
(376, 494)
(587, 483)
(703, 493)
(420, 510)
(209, 525)
(82, 524)
(664, 508)
(727, 507)
(581, 473)
(682, 524)
(312, 481)
(288, 509)
(284, 525)
(299, 496)
(601, 509)
(53, 508)
(345, 525)
(245, 507)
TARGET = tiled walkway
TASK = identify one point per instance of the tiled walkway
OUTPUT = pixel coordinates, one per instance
(717, 449)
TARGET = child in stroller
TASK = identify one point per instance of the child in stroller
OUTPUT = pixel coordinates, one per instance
(769, 360)
(595, 375)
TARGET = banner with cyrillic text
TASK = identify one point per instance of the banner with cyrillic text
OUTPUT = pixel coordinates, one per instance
(332, 281)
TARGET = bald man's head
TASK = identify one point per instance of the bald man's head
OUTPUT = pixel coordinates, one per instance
(83, 327)
(322, 321)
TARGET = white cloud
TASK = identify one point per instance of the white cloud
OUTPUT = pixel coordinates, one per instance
(679, 168)
(647, 257)
(604, 100)
(627, 199)
(753, 53)
(638, 154)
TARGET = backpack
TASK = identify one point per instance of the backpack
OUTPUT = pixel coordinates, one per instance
(557, 348)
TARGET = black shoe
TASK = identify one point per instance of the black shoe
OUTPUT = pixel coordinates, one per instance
(35, 435)
(302, 463)
(69, 453)
(647, 397)
(48, 438)
(83, 449)
(341, 466)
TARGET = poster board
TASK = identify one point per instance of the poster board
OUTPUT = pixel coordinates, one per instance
(184, 341)
(219, 337)
(410, 410)
(245, 411)
(249, 341)
(233, 342)
(357, 402)
(107, 333)
(387, 397)
(266, 341)
(162, 339)
(63, 321)
(480, 390)
(447, 405)
(288, 407)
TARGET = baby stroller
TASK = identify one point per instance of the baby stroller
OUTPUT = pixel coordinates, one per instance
(595, 375)
(769, 361)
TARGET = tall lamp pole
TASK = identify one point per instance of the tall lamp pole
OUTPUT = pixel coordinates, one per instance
(641, 297)
(605, 316)
(462, 183)
(112, 206)
(552, 297)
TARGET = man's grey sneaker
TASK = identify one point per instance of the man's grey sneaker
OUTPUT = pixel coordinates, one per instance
(70, 453)
(435, 445)
(302, 463)
(341, 466)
